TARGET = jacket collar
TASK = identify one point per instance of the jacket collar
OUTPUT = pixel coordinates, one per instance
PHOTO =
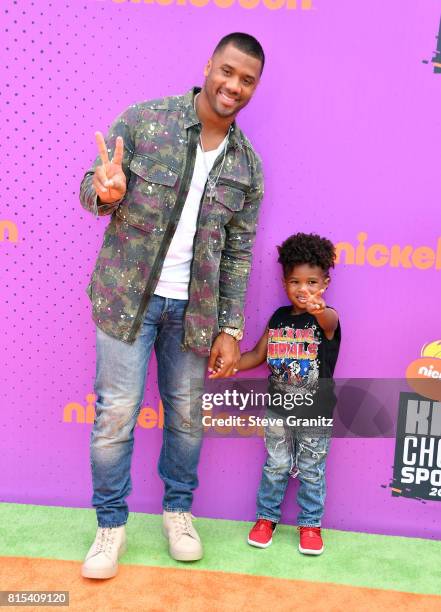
(191, 118)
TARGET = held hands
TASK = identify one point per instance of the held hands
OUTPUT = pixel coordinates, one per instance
(219, 364)
(316, 304)
(224, 357)
(109, 180)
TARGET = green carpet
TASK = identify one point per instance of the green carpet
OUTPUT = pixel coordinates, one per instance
(356, 559)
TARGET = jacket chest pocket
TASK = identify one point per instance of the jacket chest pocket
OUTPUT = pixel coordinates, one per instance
(151, 194)
(230, 196)
(227, 201)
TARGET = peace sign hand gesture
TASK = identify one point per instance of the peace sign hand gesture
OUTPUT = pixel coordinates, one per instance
(316, 304)
(109, 180)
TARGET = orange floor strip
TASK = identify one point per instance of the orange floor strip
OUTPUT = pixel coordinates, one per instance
(153, 589)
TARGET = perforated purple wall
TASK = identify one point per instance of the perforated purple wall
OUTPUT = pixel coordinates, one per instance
(347, 122)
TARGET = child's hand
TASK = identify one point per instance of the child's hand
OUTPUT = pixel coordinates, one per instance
(219, 364)
(316, 304)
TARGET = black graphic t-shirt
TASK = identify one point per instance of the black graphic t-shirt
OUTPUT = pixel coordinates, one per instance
(301, 359)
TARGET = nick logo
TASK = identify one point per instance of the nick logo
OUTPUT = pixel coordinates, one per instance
(8, 231)
(148, 417)
(378, 255)
(424, 374)
(272, 5)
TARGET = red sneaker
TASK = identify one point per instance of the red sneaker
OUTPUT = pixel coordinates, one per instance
(311, 542)
(261, 535)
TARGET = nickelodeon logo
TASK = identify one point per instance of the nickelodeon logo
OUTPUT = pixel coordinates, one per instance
(272, 5)
(424, 374)
(8, 231)
(148, 417)
(378, 255)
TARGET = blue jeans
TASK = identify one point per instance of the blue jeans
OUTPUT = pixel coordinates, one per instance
(293, 452)
(119, 386)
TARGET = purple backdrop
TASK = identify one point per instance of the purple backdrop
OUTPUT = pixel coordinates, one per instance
(347, 121)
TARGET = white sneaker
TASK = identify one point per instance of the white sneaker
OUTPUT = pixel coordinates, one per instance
(102, 559)
(184, 543)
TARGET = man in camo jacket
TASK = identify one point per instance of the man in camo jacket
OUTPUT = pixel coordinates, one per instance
(183, 186)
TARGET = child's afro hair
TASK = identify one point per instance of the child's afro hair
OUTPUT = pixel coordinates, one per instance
(309, 249)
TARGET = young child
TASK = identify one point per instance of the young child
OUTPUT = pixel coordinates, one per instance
(300, 345)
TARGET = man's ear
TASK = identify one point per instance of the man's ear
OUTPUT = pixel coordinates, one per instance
(327, 281)
(208, 68)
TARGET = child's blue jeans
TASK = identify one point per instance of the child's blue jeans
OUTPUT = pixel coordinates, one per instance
(293, 452)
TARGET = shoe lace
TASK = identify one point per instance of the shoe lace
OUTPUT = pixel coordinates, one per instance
(310, 532)
(263, 524)
(105, 540)
(182, 524)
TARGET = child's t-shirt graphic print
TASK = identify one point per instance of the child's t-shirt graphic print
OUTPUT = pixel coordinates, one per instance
(300, 357)
(292, 354)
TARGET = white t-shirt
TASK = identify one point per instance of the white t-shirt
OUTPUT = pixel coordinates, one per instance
(175, 274)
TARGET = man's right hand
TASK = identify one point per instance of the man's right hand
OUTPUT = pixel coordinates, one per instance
(109, 180)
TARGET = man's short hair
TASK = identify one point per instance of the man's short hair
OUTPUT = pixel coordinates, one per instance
(245, 43)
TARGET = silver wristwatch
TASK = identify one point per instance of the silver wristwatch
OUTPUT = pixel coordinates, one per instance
(232, 331)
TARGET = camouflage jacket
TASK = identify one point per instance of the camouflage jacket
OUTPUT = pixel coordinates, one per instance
(160, 141)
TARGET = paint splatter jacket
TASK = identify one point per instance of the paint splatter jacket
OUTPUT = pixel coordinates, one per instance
(160, 141)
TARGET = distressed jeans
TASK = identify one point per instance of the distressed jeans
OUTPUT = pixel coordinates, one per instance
(297, 453)
(119, 387)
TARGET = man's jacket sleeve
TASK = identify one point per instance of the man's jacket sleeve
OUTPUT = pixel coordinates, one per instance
(236, 258)
(124, 126)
